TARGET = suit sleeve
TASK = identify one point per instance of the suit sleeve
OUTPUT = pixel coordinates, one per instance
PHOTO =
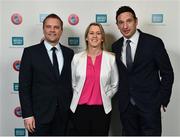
(166, 73)
(114, 78)
(25, 84)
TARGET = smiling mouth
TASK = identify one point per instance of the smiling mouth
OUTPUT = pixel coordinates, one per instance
(51, 34)
(126, 31)
(94, 40)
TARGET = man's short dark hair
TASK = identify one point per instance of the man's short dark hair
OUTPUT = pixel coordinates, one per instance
(55, 17)
(125, 9)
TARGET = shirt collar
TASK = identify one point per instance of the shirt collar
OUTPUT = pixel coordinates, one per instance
(49, 46)
(134, 38)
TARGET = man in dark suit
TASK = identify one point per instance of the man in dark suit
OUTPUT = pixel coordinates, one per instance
(45, 89)
(145, 75)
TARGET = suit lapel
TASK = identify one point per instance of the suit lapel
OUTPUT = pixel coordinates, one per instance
(81, 68)
(138, 52)
(138, 49)
(83, 65)
(64, 57)
(46, 59)
(104, 72)
(119, 55)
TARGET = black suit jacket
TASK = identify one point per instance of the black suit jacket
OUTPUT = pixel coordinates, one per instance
(150, 81)
(39, 89)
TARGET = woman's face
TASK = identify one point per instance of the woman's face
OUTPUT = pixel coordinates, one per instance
(94, 37)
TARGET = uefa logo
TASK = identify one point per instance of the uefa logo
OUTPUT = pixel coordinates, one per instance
(16, 65)
(16, 18)
(17, 111)
(73, 19)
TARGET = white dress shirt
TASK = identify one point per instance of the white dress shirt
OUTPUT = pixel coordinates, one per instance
(58, 54)
(134, 41)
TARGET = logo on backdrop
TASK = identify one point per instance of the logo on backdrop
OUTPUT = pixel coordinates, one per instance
(17, 111)
(15, 87)
(73, 19)
(73, 41)
(16, 65)
(17, 41)
(157, 18)
(16, 18)
(101, 18)
(19, 132)
(42, 17)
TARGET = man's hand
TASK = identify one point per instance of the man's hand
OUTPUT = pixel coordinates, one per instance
(163, 108)
(29, 124)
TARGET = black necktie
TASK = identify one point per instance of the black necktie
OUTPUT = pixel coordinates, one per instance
(129, 61)
(55, 62)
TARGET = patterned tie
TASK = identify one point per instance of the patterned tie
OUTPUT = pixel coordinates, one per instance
(129, 62)
(55, 62)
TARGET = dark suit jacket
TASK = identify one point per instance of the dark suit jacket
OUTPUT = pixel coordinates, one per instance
(39, 89)
(150, 81)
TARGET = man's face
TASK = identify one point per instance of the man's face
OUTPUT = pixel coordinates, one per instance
(52, 30)
(127, 24)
